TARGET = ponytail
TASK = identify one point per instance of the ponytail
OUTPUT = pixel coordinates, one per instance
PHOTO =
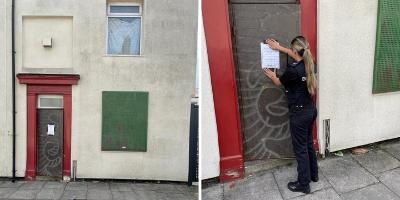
(301, 45)
(309, 65)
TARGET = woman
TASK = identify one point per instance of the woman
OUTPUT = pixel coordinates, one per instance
(300, 84)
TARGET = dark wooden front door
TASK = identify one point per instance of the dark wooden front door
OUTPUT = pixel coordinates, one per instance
(263, 106)
(50, 143)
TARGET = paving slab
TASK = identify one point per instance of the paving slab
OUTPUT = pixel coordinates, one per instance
(185, 189)
(393, 149)
(150, 195)
(76, 186)
(32, 185)
(286, 174)
(178, 196)
(344, 174)
(54, 185)
(24, 194)
(392, 180)
(377, 161)
(122, 187)
(372, 192)
(259, 186)
(194, 195)
(6, 192)
(215, 192)
(255, 166)
(324, 194)
(96, 194)
(98, 186)
(74, 194)
(10, 184)
(160, 188)
(46, 193)
(124, 195)
(96, 190)
(388, 143)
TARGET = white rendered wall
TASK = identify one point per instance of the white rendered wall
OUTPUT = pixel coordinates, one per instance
(5, 90)
(208, 125)
(346, 46)
(166, 69)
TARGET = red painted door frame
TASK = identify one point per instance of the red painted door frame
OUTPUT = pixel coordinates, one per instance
(223, 81)
(222, 70)
(47, 84)
(309, 30)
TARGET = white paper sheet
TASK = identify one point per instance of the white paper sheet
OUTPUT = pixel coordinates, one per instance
(269, 57)
(50, 129)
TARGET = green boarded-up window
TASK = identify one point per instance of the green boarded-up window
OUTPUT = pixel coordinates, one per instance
(124, 121)
(387, 52)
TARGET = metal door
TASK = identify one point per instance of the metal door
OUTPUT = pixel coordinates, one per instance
(50, 142)
(263, 106)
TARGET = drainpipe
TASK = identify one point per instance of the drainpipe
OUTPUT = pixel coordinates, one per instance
(13, 84)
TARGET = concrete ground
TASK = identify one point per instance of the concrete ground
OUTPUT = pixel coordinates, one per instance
(96, 190)
(371, 176)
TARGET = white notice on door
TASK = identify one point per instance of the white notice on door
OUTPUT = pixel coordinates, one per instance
(269, 57)
(50, 129)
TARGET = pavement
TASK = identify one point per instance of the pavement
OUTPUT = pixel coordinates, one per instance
(96, 190)
(371, 176)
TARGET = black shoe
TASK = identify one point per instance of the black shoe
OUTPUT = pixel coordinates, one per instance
(315, 179)
(297, 187)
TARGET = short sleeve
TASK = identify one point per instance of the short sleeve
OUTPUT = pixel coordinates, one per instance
(289, 76)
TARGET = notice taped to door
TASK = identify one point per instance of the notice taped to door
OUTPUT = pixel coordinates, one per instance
(269, 57)
(50, 129)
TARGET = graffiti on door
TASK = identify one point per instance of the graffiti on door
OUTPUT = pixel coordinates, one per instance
(263, 106)
(50, 148)
(264, 114)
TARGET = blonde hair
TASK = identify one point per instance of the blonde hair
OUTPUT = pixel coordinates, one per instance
(302, 47)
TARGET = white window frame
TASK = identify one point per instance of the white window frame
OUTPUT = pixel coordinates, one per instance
(133, 15)
(50, 96)
(124, 14)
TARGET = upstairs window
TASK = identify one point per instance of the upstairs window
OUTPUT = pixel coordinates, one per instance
(124, 29)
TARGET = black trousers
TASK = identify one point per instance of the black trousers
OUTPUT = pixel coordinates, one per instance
(301, 124)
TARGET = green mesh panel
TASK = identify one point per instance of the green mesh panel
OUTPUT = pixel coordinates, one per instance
(124, 121)
(387, 50)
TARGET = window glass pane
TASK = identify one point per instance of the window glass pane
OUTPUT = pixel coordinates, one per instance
(125, 9)
(124, 35)
(50, 102)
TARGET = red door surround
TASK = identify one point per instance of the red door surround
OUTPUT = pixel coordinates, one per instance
(38, 84)
(217, 29)
(309, 30)
(223, 81)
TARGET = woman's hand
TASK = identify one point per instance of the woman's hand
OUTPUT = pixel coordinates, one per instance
(272, 75)
(273, 44)
(269, 73)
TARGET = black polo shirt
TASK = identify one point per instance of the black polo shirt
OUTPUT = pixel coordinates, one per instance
(295, 82)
